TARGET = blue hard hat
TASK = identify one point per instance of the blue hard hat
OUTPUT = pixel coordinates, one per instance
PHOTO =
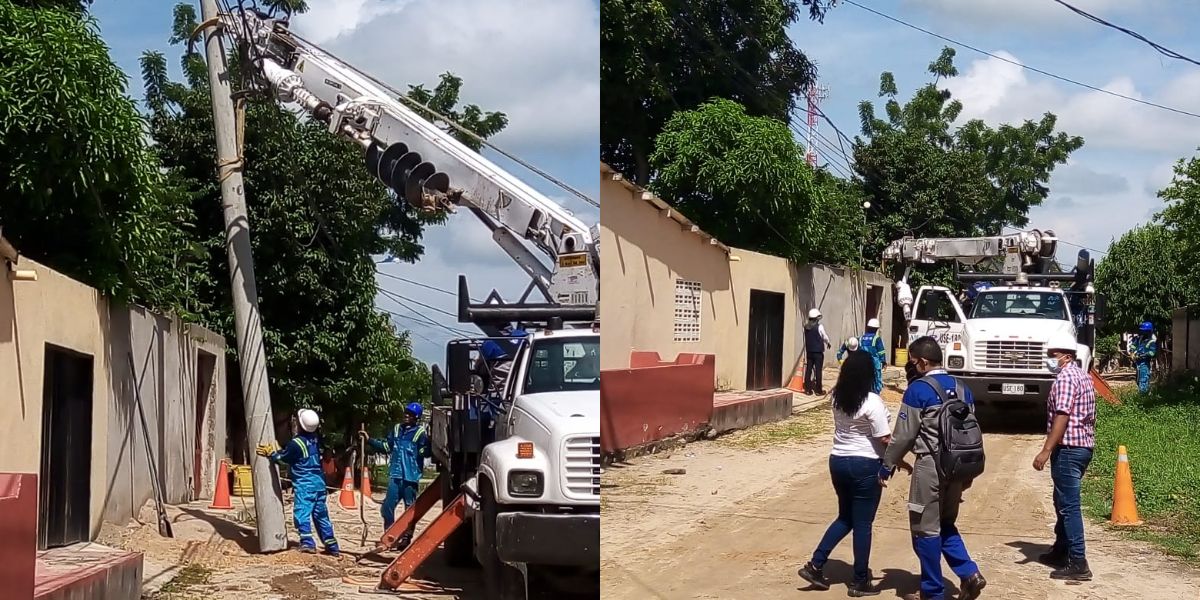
(415, 408)
(1146, 326)
(978, 287)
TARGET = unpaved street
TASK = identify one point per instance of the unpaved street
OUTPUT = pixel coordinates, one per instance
(751, 507)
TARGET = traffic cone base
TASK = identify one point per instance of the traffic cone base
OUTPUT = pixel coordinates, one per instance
(346, 498)
(1124, 511)
(796, 383)
(221, 493)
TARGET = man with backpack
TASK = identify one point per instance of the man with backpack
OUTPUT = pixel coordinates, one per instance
(936, 422)
(1070, 438)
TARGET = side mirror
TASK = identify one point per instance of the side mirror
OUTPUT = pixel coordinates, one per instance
(438, 389)
(458, 365)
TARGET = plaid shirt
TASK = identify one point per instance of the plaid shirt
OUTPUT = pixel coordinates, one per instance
(1073, 394)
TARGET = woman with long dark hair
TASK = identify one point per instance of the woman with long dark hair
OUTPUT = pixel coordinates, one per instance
(860, 435)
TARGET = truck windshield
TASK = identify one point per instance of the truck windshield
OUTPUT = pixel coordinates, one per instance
(1011, 304)
(564, 365)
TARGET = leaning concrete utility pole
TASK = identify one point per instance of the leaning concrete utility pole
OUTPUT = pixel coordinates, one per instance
(252, 357)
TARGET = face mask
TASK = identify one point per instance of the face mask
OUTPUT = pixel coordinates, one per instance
(1052, 365)
(910, 372)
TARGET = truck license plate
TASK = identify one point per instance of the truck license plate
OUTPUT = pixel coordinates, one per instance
(1012, 389)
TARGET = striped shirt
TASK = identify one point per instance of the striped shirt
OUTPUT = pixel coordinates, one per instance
(1074, 395)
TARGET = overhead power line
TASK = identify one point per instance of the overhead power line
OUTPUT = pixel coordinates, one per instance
(1161, 49)
(1024, 66)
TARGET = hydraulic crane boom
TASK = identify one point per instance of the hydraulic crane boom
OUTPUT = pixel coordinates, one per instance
(422, 164)
(1020, 250)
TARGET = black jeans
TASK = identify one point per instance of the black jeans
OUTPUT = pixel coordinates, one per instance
(856, 480)
(812, 372)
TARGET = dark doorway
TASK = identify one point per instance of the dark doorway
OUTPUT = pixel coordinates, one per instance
(205, 364)
(65, 487)
(874, 299)
(764, 352)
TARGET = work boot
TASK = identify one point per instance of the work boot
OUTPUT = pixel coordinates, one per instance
(814, 576)
(308, 549)
(1054, 558)
(972, 586)
(1076, 570)
(333, 551)
(860, 589)
(404, 542)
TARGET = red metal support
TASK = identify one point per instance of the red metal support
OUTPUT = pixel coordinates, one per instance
(425, 543)
(411, 515)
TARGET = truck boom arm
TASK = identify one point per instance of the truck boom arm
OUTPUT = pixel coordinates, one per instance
(422, 164)
(1019, 250)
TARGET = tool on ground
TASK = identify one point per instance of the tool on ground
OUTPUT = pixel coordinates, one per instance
(1124, 510)
(164, 524)
(346, 498)
(221, 492)
(364, 482)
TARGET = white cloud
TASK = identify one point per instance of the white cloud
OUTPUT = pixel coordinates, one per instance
(1028, 13)
(535, 60)
(1075, 178)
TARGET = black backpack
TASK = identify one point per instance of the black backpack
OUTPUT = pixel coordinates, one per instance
(959, 455)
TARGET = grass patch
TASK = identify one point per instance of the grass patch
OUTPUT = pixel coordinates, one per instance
(788, 431)
(180, 586)
(1159, 431)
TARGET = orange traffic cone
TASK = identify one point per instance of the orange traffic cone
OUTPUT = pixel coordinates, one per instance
(346, 498)
(796, 383)
(221, 495)
(365, 480)
(1124, 511)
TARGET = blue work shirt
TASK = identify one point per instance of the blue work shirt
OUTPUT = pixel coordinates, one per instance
(303, 457)
(493, 350)
(1144, 348)
(921, 395)
(871, 343)
(408, 447)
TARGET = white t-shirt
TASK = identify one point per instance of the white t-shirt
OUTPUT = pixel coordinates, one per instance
(859, 435)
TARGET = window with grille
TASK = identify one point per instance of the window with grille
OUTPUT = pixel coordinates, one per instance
(687, 311)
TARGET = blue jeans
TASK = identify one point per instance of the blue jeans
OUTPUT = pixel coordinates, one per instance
(398, 489)
(1067, 466)
(856, 481)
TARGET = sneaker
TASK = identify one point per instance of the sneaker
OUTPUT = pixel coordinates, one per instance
(860, 589)
(972, 586)
(1053, 558)
(1076, 570)
(814, 576)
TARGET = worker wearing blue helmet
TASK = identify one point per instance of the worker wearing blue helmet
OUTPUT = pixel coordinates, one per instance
(408, 446)
(1143, 349)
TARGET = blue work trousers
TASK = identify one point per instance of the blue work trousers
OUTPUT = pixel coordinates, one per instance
(398, 489)
(878, 385)
(1143, 377)
(1067, 466)
(309, 508)
(856, 481)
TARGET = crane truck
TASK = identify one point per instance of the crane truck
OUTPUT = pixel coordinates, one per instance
(515, 421)
(1015, 298)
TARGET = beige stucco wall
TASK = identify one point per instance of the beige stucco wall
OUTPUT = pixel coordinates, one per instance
(645, 251)
(60, 311)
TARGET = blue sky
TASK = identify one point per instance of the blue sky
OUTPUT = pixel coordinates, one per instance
(535, 60)
(1109, 185)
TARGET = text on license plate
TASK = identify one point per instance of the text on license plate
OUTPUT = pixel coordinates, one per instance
(1012, 388)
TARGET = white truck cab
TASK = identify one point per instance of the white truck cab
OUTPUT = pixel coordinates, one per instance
(996, 344)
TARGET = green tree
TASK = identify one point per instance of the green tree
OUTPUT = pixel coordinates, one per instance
(1142, 278)
(662, 56)
(1182, 215)
(744, 180)
(317, 219)
(927, 177)
(79, 187)
(442, 101)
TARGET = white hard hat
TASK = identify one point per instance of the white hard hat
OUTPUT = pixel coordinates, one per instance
(852, 344)
(309, 421)
(814, 314)
(873, 323)
(1063, 341)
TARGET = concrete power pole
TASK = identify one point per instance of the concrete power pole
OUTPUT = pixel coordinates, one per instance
(252, 357)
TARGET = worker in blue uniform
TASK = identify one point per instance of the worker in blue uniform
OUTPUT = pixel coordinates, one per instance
(873, 345)
(303, 457)
(408, 446)
(1143, 348)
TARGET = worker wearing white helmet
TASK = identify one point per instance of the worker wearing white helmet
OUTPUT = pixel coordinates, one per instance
(815, 343)
(1070, 439)
(850, 345)
(873, 345)
(303, 457)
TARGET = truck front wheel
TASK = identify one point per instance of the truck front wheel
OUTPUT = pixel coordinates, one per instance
(502, 581)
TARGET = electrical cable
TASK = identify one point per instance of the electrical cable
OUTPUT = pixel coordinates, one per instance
(1024, 66)
(402, 301)
(1161, 49)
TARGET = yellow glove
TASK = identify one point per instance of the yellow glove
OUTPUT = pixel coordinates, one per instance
(266, 449)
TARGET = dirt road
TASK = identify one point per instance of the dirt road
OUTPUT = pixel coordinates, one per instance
(751, 507)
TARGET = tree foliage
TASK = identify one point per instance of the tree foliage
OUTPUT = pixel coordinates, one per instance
(1142, 279)
(317, 217)
(925, 176)
(1182, 216)
(80, 189)
(442, 100)
(744, 180)
(662, 56)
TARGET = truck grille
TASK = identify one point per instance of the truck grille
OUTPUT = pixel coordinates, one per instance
(1009, 354)
(581, 472)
